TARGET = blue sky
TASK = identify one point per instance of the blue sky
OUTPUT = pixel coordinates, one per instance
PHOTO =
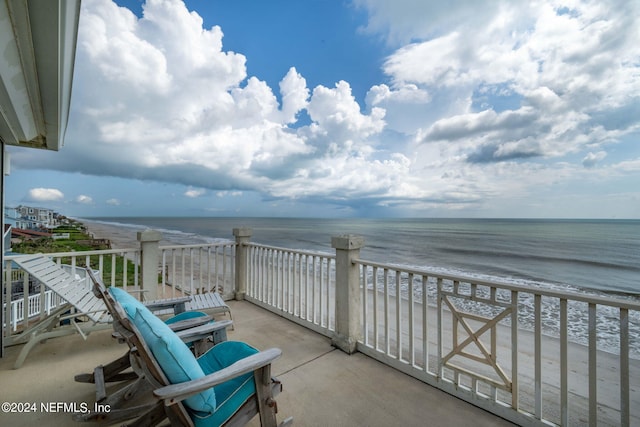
(358, 108)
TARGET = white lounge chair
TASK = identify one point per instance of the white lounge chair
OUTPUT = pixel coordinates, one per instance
(85, 312)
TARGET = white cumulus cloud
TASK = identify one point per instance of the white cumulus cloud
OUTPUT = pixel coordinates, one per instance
(194, 192)
(591, 159)
(45, 194)
(480, 100)
(84, 199)
(565, 70)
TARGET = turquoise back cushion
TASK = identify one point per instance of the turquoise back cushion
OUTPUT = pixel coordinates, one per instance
(128, 303)
(173, 355)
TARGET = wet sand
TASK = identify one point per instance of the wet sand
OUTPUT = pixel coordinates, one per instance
(121, 237)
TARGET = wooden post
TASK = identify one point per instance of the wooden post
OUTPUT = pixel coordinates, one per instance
(150, 250)
(348, 294)
(243, 236)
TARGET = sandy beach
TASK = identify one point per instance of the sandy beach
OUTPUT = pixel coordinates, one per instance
(193, 272)
(121, 237)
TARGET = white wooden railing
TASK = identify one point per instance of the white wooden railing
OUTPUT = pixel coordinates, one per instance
(531, 355)
(34, 307)
(182, 270)
(196, 269)
(528, 354)
(298, 285)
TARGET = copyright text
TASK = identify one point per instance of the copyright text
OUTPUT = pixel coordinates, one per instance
(52, 407)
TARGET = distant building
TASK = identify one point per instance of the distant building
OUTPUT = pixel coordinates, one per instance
(13, 218)
(27, 223)
(37, 218)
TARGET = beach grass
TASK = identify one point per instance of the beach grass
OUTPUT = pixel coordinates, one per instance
(78, 236)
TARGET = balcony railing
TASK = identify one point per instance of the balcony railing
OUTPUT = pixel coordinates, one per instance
(298, 285)
(27, 299)
(196, 269)
(182, 270)
(34, 307)
(532, 355)
(527, 354)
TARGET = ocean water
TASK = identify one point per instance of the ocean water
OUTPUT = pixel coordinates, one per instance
(600, 257)
(597, 255)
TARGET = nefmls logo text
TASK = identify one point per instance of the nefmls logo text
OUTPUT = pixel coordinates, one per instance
(73, 407)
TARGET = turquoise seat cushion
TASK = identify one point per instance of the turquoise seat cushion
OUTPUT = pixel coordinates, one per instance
(231, 394)
(174, 357)
(185, 315)
(130, 305)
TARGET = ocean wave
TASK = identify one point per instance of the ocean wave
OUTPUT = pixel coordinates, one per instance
(537, 257)
(132, 226)
(172, 236)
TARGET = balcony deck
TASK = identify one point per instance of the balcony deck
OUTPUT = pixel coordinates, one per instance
(322, 386)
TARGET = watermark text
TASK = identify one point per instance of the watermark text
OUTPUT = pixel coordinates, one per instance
(53, 407)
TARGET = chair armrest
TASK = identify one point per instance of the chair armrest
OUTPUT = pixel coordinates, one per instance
(168, 303)
(175, 393)
(190, 323)
(202, 331)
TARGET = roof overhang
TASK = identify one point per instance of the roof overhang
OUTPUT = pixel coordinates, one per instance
(37, 52)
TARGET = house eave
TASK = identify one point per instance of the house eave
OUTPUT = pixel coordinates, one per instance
(38, 40)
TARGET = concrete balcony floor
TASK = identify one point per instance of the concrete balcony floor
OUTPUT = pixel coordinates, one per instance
(322, 386)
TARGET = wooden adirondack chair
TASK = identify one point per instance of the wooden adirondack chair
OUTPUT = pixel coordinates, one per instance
(193, 327)
(228, 385)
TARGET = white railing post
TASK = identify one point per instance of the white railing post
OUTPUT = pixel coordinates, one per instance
(25, 298)
(5, 305)
(243, 235)
(348, 295)
(150, 249)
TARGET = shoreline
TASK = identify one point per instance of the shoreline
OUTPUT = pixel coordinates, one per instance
(125, 237)
(121, 237)
(491, 252)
